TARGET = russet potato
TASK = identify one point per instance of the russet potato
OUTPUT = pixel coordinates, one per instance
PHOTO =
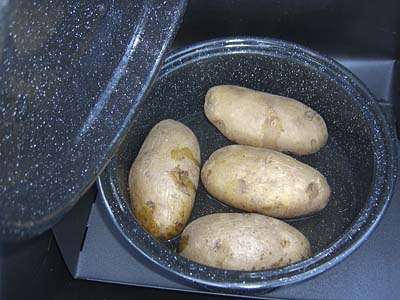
(163, 179)
(258, 119)
(264, 181)
(245, 242)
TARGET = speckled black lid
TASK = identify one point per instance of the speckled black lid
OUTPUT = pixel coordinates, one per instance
(359, 159)
(72, 74)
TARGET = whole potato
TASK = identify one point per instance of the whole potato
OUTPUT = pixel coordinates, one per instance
(163, 179)
(264, 181)
(245, 242)
(264, 120)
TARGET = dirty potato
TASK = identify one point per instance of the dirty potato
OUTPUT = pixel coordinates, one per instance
(246, 242)
(163, 179)
(264, 120)
(264, 181)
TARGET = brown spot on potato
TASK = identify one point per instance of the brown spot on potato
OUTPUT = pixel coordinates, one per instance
(183, 242)
(268, 159)
(208, 173)
(169, 232)
(144, 215)
(181, 178)
(274, 207)
(279, 206)
(309, 115)
(150, 204)
(243, 188)
(179, 226)
(278, 263)
(272, 130)
(182, 153)
(220, 125)
(285, 243)
(217, 244)
(274, 122)
(312, 190)
(163, 131)
(267, 209)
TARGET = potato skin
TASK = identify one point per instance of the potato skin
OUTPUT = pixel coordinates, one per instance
(258, 119)
(264, 181)
(246, 242)
(163, 179)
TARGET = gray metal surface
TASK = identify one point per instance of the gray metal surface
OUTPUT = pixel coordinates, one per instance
(370, 273)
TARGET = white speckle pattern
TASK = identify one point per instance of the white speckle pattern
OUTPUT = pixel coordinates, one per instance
(359, 159)
(72, 76)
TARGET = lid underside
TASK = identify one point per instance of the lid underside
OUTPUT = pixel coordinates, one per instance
(72, 74)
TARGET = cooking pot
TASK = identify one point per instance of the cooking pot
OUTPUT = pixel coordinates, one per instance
(359, 160)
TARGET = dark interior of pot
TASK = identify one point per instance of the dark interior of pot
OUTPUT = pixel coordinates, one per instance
(357, 159)
(346, 160)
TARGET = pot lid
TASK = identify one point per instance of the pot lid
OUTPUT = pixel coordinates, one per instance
(72, 73)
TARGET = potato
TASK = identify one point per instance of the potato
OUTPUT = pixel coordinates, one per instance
(264, 181)
(163, 179)
(264, 120)
(245, 242)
